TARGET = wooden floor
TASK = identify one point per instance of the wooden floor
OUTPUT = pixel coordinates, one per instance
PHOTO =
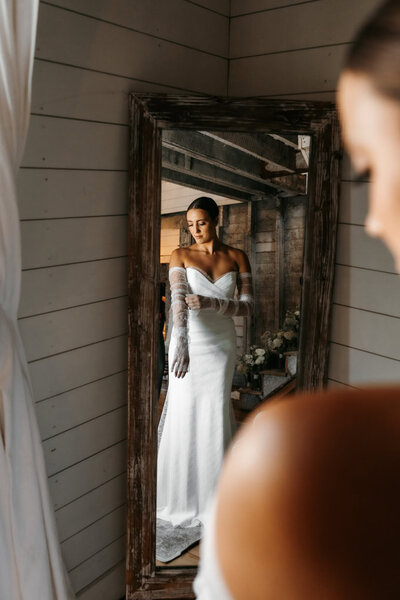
(190, 558)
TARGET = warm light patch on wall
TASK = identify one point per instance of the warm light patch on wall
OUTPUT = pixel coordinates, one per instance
(169, 241)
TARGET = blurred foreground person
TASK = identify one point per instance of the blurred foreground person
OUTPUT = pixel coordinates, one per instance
(307, 506)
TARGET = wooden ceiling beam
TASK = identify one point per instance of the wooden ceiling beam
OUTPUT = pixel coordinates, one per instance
(177, 161)
(214, 152)
(197, 145)
(275, 154)
(232, 165)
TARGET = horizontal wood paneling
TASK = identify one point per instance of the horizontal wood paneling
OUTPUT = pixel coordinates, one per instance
(355, 367)
(64, 330)
(89, 401)
(70, 144)
(73, 206)
(48, 193)
(110, 586)
(323, 96)
(336, 384)
(368, 290)
(176, 198)
(314, 70)
(86, 543)
(353, 203)
(87, 439)
(55, 288)
(57, 374)
(175, 20)
(220, 6)
(96, 566)
(88, 474)
(112, 49)
(57, 242)
(367, 331)
(303, 26)
(302, 46)
(91, 507)
(238, 7)
(76, 93)
(357, 249)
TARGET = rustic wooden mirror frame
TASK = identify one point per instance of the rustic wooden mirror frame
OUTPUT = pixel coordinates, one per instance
(149, 115)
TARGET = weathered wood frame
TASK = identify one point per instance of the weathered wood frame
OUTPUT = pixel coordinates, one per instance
(149, 114)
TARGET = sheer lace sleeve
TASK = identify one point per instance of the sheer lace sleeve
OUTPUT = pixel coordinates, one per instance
(237, 307)
(179, 309)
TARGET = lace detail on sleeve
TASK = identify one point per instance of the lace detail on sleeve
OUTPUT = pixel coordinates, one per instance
(240, 307)
(179, 309)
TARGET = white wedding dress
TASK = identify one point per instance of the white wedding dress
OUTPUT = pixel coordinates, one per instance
(199, 421)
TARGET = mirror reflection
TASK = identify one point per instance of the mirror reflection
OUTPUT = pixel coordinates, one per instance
(232, 238)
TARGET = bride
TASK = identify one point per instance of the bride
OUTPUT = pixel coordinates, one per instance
(199, 422)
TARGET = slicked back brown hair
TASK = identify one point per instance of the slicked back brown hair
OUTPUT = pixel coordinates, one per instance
(376, 50)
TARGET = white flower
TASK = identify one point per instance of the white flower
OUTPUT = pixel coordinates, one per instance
(249, 360)
(297, 313)
(259, 360)
(260, 351)
(277, 343)
(289, 335)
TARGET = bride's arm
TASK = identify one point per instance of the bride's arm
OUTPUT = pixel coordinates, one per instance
(179, 308)
(233, 307)
(242, 306)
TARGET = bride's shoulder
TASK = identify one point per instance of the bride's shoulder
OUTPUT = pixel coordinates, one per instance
(234, 252)
(177, 258)
(240, 257)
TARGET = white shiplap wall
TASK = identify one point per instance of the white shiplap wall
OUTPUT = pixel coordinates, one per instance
(176, 198)
(295, 49)
(73, 209)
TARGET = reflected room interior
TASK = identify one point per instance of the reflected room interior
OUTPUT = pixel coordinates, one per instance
(259, 182)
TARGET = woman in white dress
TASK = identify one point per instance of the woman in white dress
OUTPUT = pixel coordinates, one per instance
(199, 422)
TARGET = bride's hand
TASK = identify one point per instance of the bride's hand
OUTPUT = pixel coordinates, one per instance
(180, 364)
(197, 302)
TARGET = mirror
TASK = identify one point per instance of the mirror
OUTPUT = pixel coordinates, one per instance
(273, 170)
(259, 182)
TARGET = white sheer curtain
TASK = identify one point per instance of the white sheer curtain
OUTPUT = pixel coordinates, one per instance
(31, 567)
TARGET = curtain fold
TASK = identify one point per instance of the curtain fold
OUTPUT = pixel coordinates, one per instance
(31, 566)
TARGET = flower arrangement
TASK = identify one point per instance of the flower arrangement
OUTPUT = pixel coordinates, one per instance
(286, 339)
(273, 347)
(253, 360)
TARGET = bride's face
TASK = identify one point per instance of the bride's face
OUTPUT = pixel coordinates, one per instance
(200, 225)
(371, 133)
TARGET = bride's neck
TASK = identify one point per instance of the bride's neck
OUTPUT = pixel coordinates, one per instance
(211, 247)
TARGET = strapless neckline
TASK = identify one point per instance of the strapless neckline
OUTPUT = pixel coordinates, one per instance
(207, 276)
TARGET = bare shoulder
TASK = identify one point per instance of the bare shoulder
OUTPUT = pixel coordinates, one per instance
(241, 501)
(256, 490)
(274, 482)
(241, 259)
(178, 257)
